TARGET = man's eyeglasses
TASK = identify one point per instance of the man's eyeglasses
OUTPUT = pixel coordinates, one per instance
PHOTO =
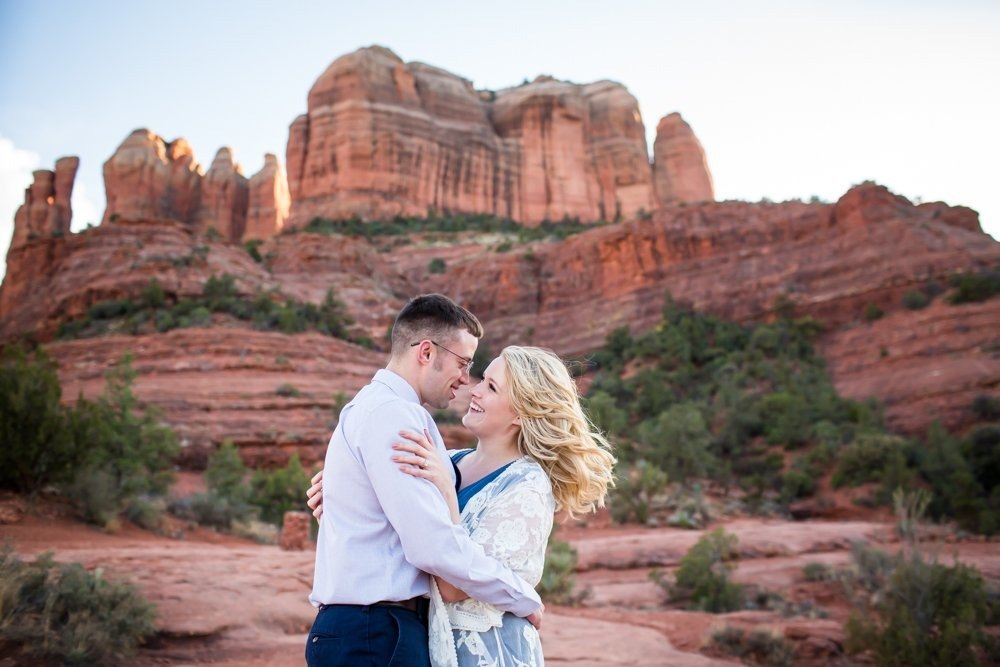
(466, 362)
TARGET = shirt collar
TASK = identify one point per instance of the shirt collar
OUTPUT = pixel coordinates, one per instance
(397, 384)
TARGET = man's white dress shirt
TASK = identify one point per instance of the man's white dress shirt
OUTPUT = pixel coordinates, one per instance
(382, 530)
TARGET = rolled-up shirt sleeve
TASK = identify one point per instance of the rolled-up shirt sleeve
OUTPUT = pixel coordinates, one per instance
(419, 515)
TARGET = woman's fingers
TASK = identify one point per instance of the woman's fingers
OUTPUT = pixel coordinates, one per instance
(414, 460)
(421, 440)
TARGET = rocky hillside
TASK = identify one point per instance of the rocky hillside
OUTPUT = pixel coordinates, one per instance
(383, 137)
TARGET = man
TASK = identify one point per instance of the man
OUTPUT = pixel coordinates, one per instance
(383, 531)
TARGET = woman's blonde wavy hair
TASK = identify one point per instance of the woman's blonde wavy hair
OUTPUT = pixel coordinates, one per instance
(555, 432)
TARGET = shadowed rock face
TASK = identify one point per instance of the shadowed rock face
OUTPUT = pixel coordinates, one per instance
(382, 137)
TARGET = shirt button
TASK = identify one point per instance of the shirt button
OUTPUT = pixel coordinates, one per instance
(315, 639)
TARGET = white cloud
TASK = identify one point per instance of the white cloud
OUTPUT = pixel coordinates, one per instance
(16, 166)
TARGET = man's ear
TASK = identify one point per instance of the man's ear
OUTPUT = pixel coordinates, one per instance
(424, 352)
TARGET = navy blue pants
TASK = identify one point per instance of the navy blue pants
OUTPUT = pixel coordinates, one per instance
(367, 636)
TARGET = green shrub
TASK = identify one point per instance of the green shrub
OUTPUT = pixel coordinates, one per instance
(925, 614)
(225, 474)
(678, 442)
(974, 287)
(214, 510)
(759, 646)
(915, 300)
(253, 249)
(287, 390)
(986, 407)
(62, 613)
(605, 413)
(796, 484)
(786, 418)
(558, 579)
(817, 572)
(866, 459)
(129, 453)
(278, 491)
(436, 265)
(146, 512)
(872, 312)
(634, 491)
(703, 578)
(38, 448)
(153, 295)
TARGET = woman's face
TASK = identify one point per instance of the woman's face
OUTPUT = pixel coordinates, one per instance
(490, 414)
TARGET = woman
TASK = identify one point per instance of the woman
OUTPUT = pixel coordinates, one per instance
(536, 452)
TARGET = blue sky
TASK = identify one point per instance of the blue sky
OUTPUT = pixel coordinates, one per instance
(789, 99)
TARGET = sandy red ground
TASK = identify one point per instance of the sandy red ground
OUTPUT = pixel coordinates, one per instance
(223, 600)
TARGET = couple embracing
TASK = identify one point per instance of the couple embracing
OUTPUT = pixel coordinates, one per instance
(425, 558)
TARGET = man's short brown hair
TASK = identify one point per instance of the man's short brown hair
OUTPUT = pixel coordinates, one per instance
(434, 317)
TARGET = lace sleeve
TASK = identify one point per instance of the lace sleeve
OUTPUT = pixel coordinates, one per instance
(514, 525)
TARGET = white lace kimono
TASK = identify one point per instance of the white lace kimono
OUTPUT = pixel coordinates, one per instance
(511, 517)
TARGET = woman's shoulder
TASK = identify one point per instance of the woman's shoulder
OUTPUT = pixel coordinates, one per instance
(528, 471)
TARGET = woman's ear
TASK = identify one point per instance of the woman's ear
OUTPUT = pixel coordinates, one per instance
(517, 420)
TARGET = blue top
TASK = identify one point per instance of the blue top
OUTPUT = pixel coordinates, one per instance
(465, 495)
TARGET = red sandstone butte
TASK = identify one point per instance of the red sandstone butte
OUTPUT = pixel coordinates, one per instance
(47, 210)
(147, 177)
(382, 137)
(680, 169)
(269, 201)
(224, 198)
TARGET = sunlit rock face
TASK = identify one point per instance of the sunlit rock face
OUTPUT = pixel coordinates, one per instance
(269, 201)
(680, 169)
(147, 177)
(46, 210)
(382, 137)
(224, 198)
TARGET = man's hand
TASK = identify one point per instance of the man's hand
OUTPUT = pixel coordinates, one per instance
(314, 495)
(536, 617)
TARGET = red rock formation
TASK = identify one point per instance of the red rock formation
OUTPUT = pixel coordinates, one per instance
(382, 137)
(47, 210)
(269, 201)
(149, 178)
(224, 198)
(731, 259)
(680, 170)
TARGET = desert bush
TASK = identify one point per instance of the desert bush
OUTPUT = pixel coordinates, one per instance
(605, 413)
(703, 578)
(787, 419)
(129, 453)
(759, 647)
(153, 296)
(866, 459)
(974, 286)
(817, 572)
(37, 445)
(278, 491)
(678, 442)
(436, 265)
(986, 407)
(62, 613)
(253, 249)
(146, 512)
(872, 312)
(287, 390)
(634, 491)
(558, 576)
(915, 300)
(925, 614)
(796, 484)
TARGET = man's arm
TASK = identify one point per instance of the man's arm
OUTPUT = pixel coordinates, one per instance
(419, 516)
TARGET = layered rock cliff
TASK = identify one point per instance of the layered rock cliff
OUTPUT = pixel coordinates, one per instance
(732, 259)
(382, 137)
(149, 178)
